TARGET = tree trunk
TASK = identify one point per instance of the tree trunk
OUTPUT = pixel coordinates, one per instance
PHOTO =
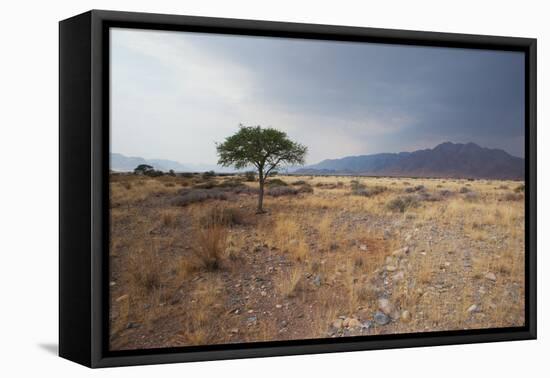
(261, 197)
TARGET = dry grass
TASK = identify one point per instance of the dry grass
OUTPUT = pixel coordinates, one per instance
(210, 245)
(189, 275)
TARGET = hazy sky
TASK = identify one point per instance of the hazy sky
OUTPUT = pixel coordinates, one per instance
(174, 94)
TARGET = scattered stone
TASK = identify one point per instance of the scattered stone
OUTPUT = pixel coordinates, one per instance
(363, 247)
(122, 298)
(317, 280)
(391, 268)
(278, 306)
(385, 306)
(338, 323)
(132, 325)
(399, 276)
(447, 264)
(112, 283)
(473, 308)
(381, 318)
(263, 293)
(400, 252)
(234, 330)
(367, 324)
(491, 276)
(351, 323)
(250, 311)
(406, 316)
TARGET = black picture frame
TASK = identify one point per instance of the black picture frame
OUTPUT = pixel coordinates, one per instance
(83, 182)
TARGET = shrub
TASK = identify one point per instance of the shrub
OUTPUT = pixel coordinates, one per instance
(278, 191)
(243, 189)
(299, 182)
(464, 190)
(471, 197)
(231, 183)
(445, 193)
(305, 188)
(356, 186)
(402, 203)
(425, 196)
(205, 185)
(520, 188)
(504, 187)
(210, 247)
(250, 176)
(208, 175)
(188, 196)
(275, 182)
(370, 191)
(512, 197)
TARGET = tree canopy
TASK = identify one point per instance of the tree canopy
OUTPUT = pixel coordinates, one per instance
(264, 148)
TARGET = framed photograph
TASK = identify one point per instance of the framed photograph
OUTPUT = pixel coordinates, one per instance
(234, 188)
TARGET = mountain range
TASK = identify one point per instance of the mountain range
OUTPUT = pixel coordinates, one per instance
(445, 160)
(124, 163)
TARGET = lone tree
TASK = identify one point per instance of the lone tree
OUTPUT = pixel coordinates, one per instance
(143, 169)
(266, 149)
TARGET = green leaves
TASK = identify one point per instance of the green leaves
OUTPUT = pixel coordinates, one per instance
(266, 149)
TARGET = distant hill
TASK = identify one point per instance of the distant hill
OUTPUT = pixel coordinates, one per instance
(445, 160)
(123, 163)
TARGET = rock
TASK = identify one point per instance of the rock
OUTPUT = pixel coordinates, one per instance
(263, 293)
(363, 247)
(399, 276)
(473, 308)
(278, 306)
(366, 324)
(234, 330)
(132, 325)
(250, 311)
(405, 316)
(317, 280)
(338, 323)
(381, 318)
(391, 268)
(351, 323)
(385, 306)
(491, 276)
(400, 252)
(252, 319)
(112, 283)
(122, 298)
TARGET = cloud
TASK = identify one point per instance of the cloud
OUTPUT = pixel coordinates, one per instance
(174, 94)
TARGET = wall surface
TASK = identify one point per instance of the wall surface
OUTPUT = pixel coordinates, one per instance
(29, 206)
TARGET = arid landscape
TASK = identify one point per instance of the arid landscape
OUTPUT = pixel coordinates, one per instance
(267, 189)
(192, 263)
